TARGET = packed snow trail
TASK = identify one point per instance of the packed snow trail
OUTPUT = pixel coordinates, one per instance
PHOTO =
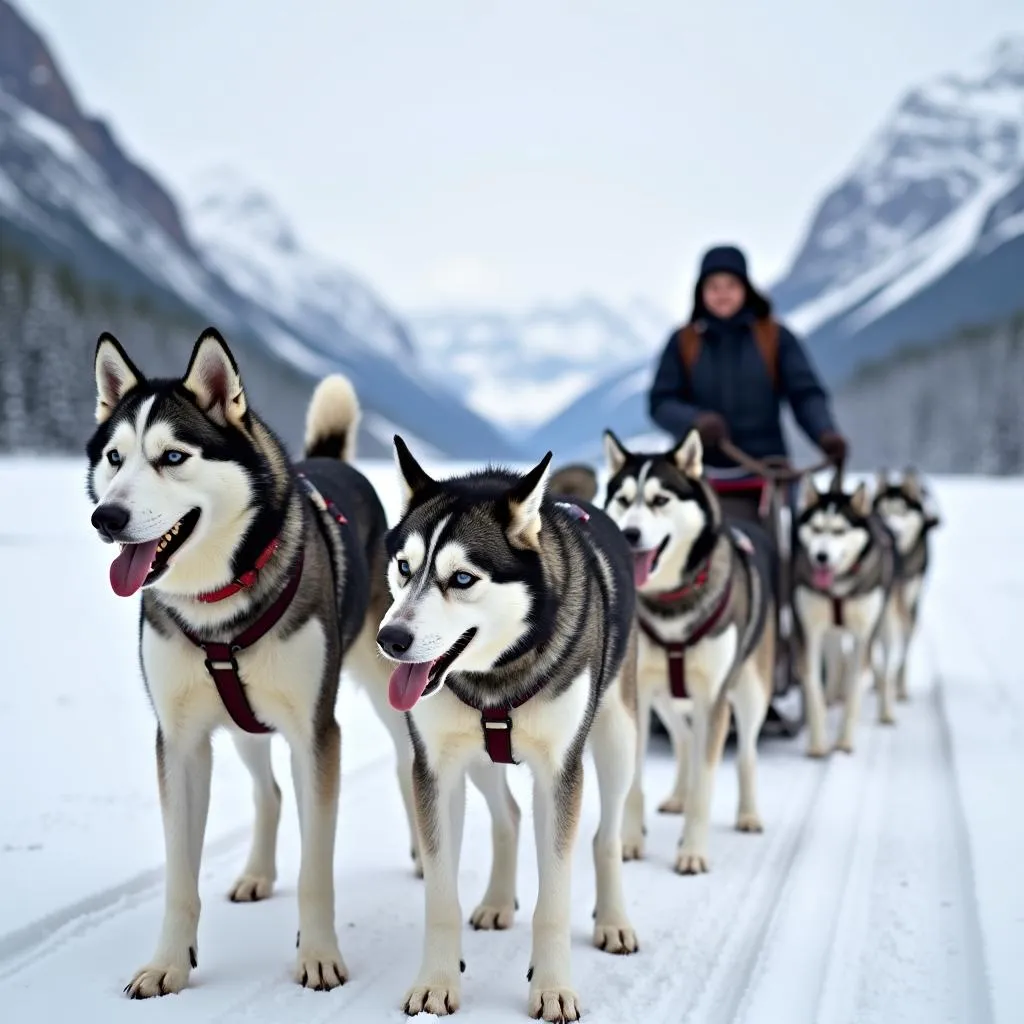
(859, 904)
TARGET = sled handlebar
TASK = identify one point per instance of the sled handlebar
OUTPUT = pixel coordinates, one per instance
(774, 469)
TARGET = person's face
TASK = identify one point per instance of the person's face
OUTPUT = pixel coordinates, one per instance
(724, 295)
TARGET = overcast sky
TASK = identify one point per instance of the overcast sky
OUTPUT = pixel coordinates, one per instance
(459, 151)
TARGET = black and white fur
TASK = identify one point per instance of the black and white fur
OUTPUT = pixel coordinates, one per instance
(673, 521)
(844, 552)
(187, 460)
(498, 593)
(903, 503)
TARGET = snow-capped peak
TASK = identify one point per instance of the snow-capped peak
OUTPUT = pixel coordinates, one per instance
(949, 142)
(250, 242)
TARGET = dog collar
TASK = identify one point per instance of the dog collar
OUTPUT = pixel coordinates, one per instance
(246, 580)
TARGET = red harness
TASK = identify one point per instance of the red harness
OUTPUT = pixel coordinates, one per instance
(675, 650)
(220, 656)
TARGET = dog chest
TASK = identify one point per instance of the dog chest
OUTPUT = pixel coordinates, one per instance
(282, 679)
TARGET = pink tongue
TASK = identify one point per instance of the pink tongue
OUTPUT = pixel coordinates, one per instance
(643, 562)
(408, 682)
(129, 570)
(823, 578)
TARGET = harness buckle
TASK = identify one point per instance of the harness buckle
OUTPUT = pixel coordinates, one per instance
(501, 723)
(220, 665)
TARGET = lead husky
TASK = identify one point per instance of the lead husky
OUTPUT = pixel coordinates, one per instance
(707, 632)
(514, 615)
(902, 504)
(245, 580)
(844, 578)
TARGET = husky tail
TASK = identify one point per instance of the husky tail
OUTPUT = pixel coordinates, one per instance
(574, 481)
(332, 420)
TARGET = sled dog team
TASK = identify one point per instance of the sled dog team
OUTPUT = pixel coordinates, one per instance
(505, 619)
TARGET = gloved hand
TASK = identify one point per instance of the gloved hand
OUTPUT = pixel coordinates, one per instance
(834, 446)
(712, 428)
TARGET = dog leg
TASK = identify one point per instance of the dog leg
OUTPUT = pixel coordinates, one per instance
(814, 697)
(257, 879)
(893, 648)
(858, 678)
(749, 704)
(183, 772)
(633, 822)
(679, 732)
(613, 743)
(316, 766)
(556, 808)
(498, 907)
(438, 986)
(710, 725)
(366, 665)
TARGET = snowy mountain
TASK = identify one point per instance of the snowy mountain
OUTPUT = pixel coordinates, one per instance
(71, 198)
(924, 236)
(521, 369)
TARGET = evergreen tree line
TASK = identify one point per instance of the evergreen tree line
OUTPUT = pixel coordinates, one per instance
(49, 322)
(952, 407)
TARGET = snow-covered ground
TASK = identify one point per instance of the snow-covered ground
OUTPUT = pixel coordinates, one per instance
(887, 887)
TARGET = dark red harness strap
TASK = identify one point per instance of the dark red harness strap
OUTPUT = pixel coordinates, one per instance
(837, 611)
(223, 666)
(246, 580)
(497, 726)
(675, 650)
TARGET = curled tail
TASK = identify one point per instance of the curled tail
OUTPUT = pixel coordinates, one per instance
(574, 481)
(332, 420)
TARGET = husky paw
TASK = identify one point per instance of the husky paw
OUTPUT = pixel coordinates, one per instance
(490, 917)
(689, 863)
(748, 821)
(672, 805)
(251, 889)
(887, 719)
(441, 999)
(818, 752)
(844, 746)
(554, 1004)
(633, 848)
(320, 969)
(619, 939)
(160, 980)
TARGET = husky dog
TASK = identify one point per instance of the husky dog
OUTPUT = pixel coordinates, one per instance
(707, 621)
(514, 614)
(844, 577)
(903, 505)
(259, 579)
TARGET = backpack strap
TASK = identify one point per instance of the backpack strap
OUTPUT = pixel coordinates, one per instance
(766, 337)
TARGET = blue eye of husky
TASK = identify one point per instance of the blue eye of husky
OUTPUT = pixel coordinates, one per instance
(462, 580)
(172, 457)
(403, 568)
(114, 457)
(658, 501)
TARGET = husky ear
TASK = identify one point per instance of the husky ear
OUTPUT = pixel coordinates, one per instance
(809, 493)
(524, 502)
(860, 500)
(688, 455)
(615, 453)
(412, 475)
(115, 375)
(213, 377)
(911, 485)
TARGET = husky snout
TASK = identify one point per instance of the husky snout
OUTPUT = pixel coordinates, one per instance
(632, 535)
(395, 641)
(110, 521)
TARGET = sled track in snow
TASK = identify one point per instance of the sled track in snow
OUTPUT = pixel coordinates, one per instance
(811, 915)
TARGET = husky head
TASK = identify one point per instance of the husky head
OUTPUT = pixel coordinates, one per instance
(902, 505)
(667, 513)
(464, 567)
(832, 530)
(173, 471)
